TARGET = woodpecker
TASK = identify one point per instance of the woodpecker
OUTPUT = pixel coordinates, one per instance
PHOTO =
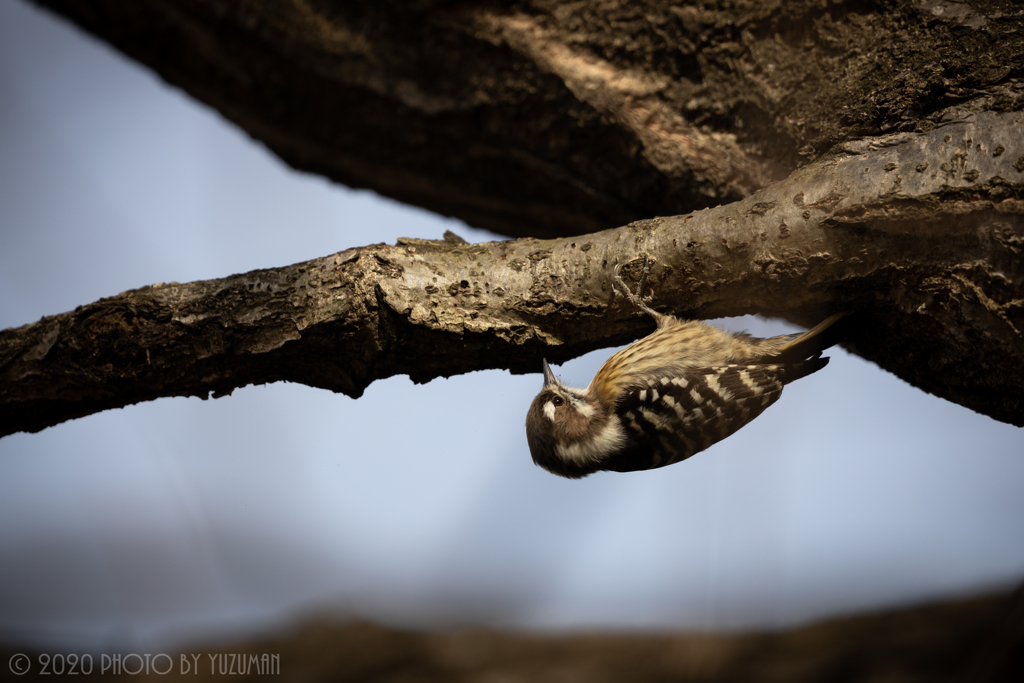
(663, 398)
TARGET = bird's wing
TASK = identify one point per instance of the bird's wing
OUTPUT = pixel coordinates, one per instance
(676, 416)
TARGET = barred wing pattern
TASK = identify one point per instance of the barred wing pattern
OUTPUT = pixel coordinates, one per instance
(673, 417)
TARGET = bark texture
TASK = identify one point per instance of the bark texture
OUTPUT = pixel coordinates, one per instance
(548, 118)
(919, 233)
(866, 156)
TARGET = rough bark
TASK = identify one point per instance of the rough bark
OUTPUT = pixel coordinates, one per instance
(541, 118)
(920, 233)
(548, 118)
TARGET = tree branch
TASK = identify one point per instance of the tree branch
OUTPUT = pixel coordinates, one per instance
(535, 118)
(922, 233)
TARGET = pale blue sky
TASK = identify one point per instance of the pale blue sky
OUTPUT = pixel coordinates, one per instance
(177, 519)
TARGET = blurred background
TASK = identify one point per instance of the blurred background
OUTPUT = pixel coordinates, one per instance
(177, 520)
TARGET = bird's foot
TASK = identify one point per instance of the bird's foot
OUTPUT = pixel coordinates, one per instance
(635, 298)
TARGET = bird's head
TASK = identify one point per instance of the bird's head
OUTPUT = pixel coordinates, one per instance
(564, 428)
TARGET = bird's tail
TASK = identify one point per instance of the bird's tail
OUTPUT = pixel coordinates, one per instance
(811, 343)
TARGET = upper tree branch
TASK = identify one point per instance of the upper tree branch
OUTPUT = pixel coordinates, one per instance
(922, 233)
(543, 119)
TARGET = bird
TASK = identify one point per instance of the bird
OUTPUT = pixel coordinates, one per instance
(667, 396)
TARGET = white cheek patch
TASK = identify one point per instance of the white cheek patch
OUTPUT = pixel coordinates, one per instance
(584, 409)
(549, 410)
(579, 403)
(609, 439)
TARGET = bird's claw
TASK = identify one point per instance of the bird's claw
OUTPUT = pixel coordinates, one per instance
(637, 298)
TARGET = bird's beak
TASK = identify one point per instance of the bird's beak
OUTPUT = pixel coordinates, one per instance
(549, 377)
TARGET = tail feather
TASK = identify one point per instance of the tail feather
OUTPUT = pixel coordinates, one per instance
(812, 342)
(795, 371)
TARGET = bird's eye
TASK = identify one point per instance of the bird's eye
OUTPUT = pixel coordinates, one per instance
(558, 400)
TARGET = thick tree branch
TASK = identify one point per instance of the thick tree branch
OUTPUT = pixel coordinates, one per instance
(543, 118)
(922, 233)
